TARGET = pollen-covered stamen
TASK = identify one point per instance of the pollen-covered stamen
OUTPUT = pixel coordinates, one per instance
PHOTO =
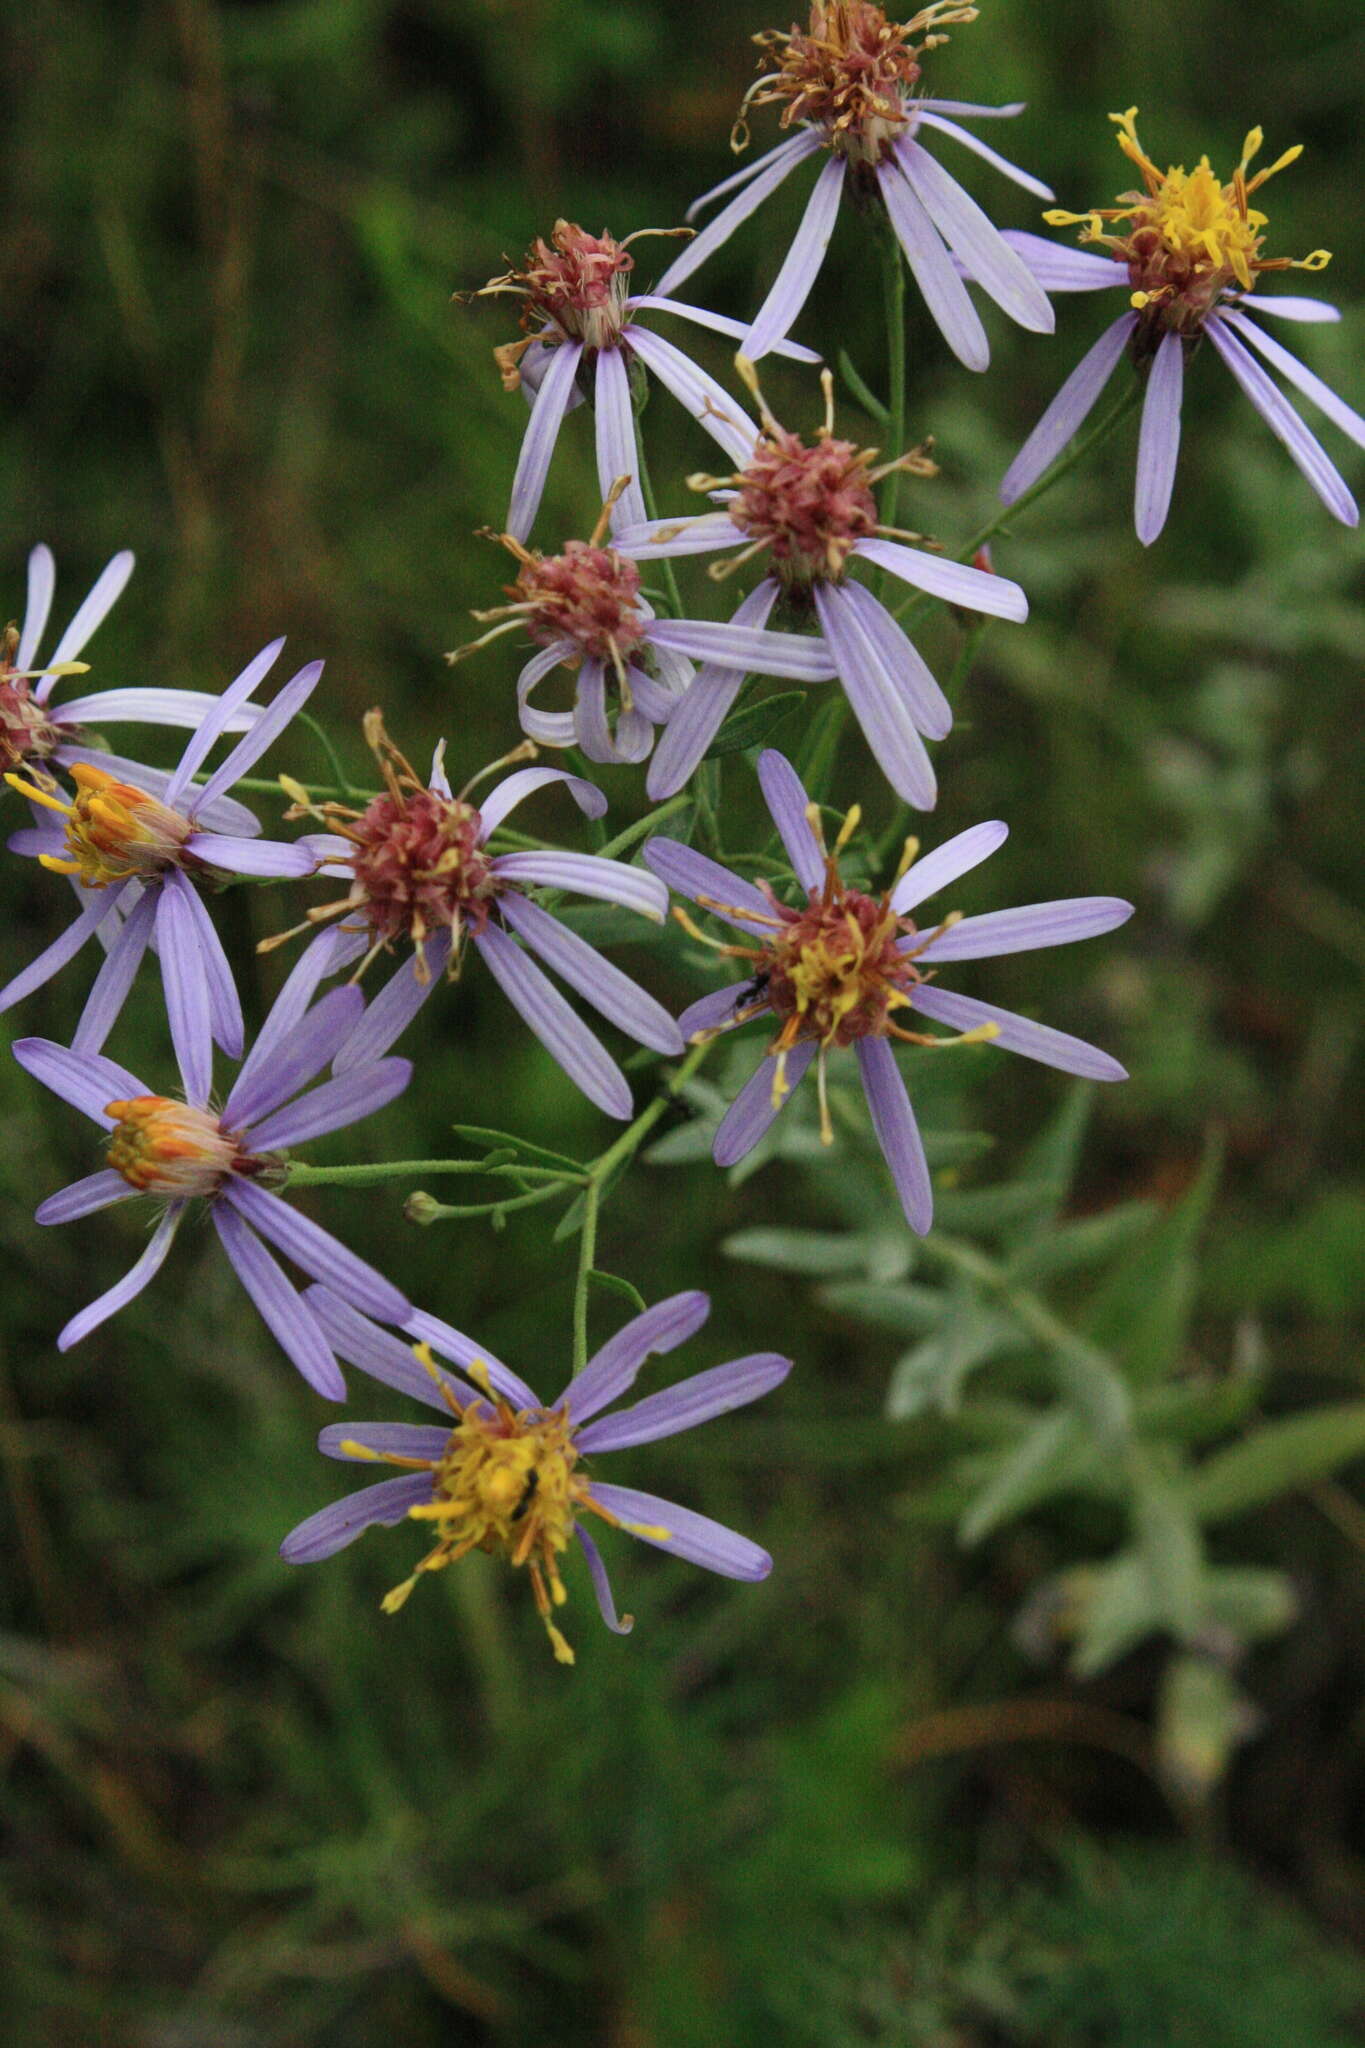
(587, 594)
(576, 282)
(26, 730)
(850, 72)
(113, 831)
(164, 1147)
(1188, 238)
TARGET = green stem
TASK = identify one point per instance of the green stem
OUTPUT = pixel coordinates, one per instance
(333, 758)
(587, 1254)
(623, 841)
(665, 563)
(403, 1169)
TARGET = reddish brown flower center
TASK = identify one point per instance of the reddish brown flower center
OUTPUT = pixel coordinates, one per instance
(836, 972)
(588, 595)
(808, 501)
(26, 731)
(418, 862)
(850, 72)
(578, 281)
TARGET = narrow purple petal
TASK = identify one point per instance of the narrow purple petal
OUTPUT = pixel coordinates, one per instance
(542, 431)
(186, 987)
(1304, 448)
(613, 994)
(976, 590)
(327, 954)
(691, 533)
(1301, 377)
(690, 1535)
(610, 1372)
(719, 323)
(337, 1103)
(504, 796)
(658, 697)
(551, 728)
(709, 403)
(705, 882)
(54, 957)
(601, 1585)
(1062, 269)
(1019, 1034)
(587, 874)
(130, 1286)
(1159, 439)
(282, 709)
(893, 1120)
(270, 858)
(957, 856)
(943, 291)
(83, 1197)
(791, 146)
(1068, 411)
(225, 1009)
(617, 455)
(184, 708)
(393, 1009)
(216, 724)
(971, 109)
(801, 265)
(385, 1357)
(332, 1528)
(694, 1401)
(31, 840)
(591, 728)
(1032, 925)
(94, 609)
(787, 805)
(747, 648)
(406, 1439)
(753, 1109)
(318, 1252)
(42, 581)
(989, 155)
(996, 267)
(716, 1011)
(901, 660)
(765, 179)
(111, 985)
(880, 702)
(565, 1036)
(698, 718)
(84, 1079)
(453, 1343)
(1287, 308)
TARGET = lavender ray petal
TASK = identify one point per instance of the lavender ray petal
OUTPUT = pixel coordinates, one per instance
(591, 729)
(690, 1535)
(893, 1120)
(225, 1009)
(1062, 269)
(699, 716)
(716, 1011)
(901, 661)
(976, 590)
(1289, 308)
(753, 1109)
(1019, 1034)
(1301, 377)
(95, 608)
(971, 109)
(295, 1056)
(610, 992)
(656, 698)
(880, 703)
(801, 264)
(709, 403)
(382, 1355)
(617, 455)
(540, 664)
(542, 431)
(184, 708)
(691, 874)
(130, 1286)
(83, 1197)
(216, 723)
(327, 954)
(788, 804)
(764, 181)
(690, 533)
(943, 291)
(610, 1372)
(284, 706)
(318, 1253)
(335, 1104)
(1068, 411)
(332, 1528)
(269, 858)
(634, 736)
(453, 1343)
(1305, 450)
(988, 155)
(551, 728)
(791, 145)
(587, 874)
(992, 263)
(406, 1439)
(84, 1079)
(563, 1034)
(601, 1585)
(719, 323)
(186, 988)
(696, 1400)
(224, 814)
(54, 957)
(31, 840)
(393, 1009)
(504, 796)
(42, 581)
(110, 989)
(1159, 439)
(1030, 926)
(747, 648)
(956, 857)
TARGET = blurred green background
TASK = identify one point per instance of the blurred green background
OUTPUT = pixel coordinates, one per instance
(873, 1800)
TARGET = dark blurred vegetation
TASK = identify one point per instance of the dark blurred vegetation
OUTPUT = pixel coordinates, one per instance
(863, 1803)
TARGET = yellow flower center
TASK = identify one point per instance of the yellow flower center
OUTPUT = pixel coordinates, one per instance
(113, 831)
(163, 1147)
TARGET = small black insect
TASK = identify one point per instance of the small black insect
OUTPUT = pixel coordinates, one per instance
(754, 990)
(528, 1494)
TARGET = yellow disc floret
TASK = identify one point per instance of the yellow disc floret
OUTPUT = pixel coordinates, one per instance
(164, 1147)
(114, 832)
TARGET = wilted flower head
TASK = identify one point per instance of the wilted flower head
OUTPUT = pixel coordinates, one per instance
(506, 1474)
(844, 968)
(1187, 251)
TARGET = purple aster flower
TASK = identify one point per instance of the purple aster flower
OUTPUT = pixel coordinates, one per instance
(138, 857)
(172, 1151)
(1188, 256)
(837, 969)
(509, 1474)
(585, 609)
(849, 86)
(810, 506)
(587, 334)
(33, 728)
(420, 872)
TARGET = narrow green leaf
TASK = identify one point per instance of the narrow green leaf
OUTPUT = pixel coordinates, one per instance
(1277, 1458)
(808, 1252)
(1141, 1313)
(909, 1310)
(478, 1134)
(861, 390)
(1168, 1543)
(753, 725)
(1089, 1241)
(1032, 1471)
(612, 1283)
(933, 1374)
